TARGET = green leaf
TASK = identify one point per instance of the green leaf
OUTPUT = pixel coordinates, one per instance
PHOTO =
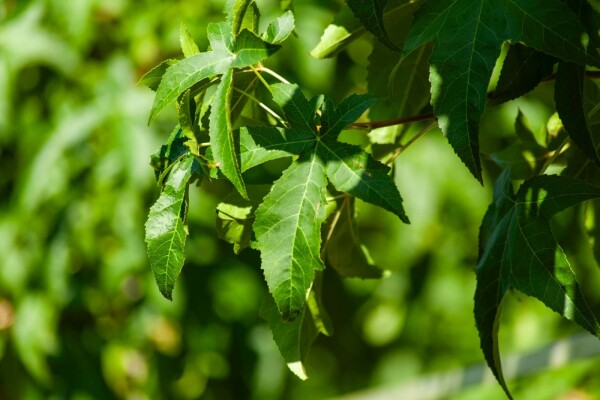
(288, 233)
(569, 88)
(467, 36)
(280, 29)
(519, 251)
(334, 39)
(188, 46)
(335, 119)
(299, 111)
(250, 49)
(569, 98)
(181, 76)
(152, 78)
(355, 171)
(261, 144)
(220, 36)
(165, 228)
(235, 216)
(295, 338)
(222, 138)
(370, 14)
(523, 69)
(235, 18)
(288, 222)
(343, 249)
(251, 18)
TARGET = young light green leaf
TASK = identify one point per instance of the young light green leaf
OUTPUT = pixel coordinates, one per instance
(236, 9)
(222, 136)
(334, 39)
(165, 228)
(280, 29)
(220, 36)
(352, 170)
(519, 251)
(188, 46)
(343, 249)
(370, 14)
(288, 233)
(251, 19)
(152, 78)
(181, 76)
(249, 49)
(462, 62)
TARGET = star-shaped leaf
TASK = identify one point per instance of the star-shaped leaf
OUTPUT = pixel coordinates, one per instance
(229, 50)
(467, 36)
(288, 222)
(519, 251)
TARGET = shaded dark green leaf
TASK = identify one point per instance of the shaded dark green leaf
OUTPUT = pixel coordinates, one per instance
(462, 62)
(519, 251)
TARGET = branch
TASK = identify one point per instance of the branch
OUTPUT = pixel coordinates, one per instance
(429, 116)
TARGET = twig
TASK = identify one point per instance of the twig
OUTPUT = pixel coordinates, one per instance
(411, 141)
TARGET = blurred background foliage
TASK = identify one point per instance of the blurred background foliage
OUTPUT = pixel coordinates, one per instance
(80, 314)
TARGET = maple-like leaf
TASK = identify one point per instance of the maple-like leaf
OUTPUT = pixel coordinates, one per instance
(467, 37)
(288, 222)
(518, 251)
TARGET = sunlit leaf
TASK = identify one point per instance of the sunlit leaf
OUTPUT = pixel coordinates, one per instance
(165, 228)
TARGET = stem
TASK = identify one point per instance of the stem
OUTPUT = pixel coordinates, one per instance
(392, 122)
(428, 116)
(267, 109)
(336, 218)
(410, 142)
(274, 74)
(555, 154)
(261, 79)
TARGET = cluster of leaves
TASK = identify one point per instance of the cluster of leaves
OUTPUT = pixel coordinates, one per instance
(461, 43)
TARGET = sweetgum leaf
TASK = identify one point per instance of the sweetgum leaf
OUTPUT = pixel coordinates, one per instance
(335, 119)
(519, 251)
(227, 52)
(250, 49)
(467, 35)
(370, 14)
(569, 94)
(259, 144)
(288, 233)
(352, 170)
(280, 29)
(188, 46)
(523, 69)
(299, 111)
(165, 227)
(288, 222)
(181, 76)
(152, 78)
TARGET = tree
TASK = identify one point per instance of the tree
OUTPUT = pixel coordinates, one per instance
(234, 115)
